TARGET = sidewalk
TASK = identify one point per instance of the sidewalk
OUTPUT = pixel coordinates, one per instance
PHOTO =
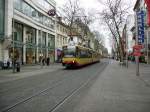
(144, 70)
(26, 71)
(117, 89)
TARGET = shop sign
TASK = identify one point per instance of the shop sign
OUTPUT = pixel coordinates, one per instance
(137, 53)
(138, 47)
(51, 12)
(140, 26)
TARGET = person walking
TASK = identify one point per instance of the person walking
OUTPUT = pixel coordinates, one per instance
(43, 61)
(48, 61)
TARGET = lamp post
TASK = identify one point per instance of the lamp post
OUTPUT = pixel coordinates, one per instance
(147, 48)
(13, 22)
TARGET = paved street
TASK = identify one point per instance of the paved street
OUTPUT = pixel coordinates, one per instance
(27, 71)
(101, 87)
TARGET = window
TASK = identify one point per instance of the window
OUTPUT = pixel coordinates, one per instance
(45, 4)
(27, 9)
(39, 38)
(18, 4)
(31, 35)
(44, 38)
(18, 34)
(51, 40)
(40, 18)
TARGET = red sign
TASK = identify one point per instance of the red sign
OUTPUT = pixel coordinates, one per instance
(137, 53)
(137, 47)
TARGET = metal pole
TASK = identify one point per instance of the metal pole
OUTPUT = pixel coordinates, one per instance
(126, 46)
(137, 57)
(147, 47)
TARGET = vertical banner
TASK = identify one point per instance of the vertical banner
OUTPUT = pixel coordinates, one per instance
(140, 26)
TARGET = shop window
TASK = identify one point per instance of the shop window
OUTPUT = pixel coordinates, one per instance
(51, 41)
(44, 38)
(18, 34)
(30, 35)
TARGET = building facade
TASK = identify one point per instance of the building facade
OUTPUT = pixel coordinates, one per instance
(61, 38)
(29, 32)
(141, 5)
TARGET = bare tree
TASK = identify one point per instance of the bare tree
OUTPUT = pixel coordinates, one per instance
(114, 17)
(99, 37)
(70, 12)
(76, 18)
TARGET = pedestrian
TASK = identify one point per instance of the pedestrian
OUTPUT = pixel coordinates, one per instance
(43, 61)
(8, 63)
(18, 65)
(48, 61)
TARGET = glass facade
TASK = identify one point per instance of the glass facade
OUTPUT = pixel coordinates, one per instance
(30, 35)
(46, 42)
(18, 32)
(45, 4)
(30, 45)
(51, 41)
(29, 11)
(2, 14)
(44, 39)
(51, 47)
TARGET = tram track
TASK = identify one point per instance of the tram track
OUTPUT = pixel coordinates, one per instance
(34, 95)
(20, 84)
(76, 90)
(55, 84)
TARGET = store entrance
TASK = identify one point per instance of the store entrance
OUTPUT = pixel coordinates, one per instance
(30, 56)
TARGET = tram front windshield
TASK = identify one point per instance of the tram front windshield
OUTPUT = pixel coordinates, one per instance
(69, 52)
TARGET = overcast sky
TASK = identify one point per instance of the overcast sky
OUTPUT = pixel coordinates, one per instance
(94, 5)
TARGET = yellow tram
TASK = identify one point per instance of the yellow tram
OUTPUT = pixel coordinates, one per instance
(75, 56)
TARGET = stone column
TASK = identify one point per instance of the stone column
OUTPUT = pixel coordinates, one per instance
(24, 46)
(8, 26)
(37, 49)
(46, 44)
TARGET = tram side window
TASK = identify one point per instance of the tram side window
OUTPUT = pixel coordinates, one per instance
(78, 52)
(83, 54)
(89, 54)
